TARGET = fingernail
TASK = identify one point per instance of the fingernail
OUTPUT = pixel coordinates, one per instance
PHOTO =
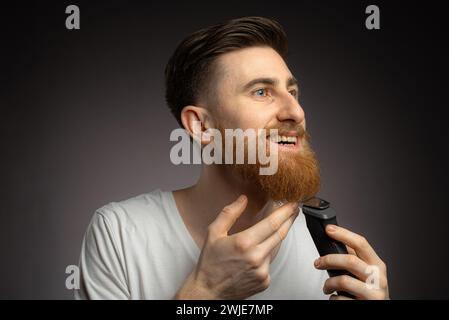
(241, 198)
(331, 228)
(317, 263)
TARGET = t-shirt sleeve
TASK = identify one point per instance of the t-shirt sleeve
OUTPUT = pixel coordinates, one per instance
(102, 272)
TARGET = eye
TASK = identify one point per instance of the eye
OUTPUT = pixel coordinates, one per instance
(261, 93)
(294, 93)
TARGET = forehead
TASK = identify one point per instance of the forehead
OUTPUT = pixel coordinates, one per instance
(254, 62)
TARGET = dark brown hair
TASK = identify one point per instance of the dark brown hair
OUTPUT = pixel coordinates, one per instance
(190, 67)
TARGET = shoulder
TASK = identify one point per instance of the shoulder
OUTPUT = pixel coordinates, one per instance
(142, 213)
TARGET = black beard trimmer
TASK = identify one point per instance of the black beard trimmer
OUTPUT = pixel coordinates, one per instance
(319, 214)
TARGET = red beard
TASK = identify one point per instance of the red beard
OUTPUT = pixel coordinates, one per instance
(297, 177)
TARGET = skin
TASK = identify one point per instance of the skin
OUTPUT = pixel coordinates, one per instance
(236, 226)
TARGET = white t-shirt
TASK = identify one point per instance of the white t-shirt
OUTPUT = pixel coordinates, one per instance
(140, 248)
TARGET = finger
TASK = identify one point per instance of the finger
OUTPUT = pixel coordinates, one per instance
(349, 284)
(351, 251)
(361, 246)
(272, 241)
(228, 216)
(271, 224)
(343, 262)
(338, 297)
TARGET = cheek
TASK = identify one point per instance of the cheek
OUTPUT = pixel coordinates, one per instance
(232, 115)
(248, 119)
(244, 114)
(255, 116)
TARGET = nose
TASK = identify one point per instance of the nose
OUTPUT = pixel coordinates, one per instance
(290, 109)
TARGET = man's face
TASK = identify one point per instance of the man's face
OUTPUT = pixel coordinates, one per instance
(245, 103)
(255, 89)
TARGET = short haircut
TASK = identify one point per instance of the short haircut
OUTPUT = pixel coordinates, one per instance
(190, 68)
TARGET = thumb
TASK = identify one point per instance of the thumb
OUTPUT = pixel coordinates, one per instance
(228, 216)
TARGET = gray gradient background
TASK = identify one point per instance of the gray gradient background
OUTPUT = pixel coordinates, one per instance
(84, 122)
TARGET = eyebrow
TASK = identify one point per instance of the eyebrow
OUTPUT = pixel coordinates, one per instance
(292, 81)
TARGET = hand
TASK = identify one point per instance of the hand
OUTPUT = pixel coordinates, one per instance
(362, 261)
(237, 266)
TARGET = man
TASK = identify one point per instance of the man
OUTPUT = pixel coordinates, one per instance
(226, 237)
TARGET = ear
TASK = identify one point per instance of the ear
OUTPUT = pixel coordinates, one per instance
(191, 116)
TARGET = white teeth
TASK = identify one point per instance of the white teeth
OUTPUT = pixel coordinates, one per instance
(285, 139)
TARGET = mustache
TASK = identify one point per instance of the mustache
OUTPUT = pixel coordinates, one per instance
(283, 129)
(287, 129)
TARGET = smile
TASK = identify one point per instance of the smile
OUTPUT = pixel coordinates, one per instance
(287, 142)
(282, 140)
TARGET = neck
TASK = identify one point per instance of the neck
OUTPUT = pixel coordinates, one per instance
(217, 187)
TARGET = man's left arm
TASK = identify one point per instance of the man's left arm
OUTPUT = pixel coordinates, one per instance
(362, 261)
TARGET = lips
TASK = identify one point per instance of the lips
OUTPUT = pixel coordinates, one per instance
(284, 137)
(283, 140)
(286, 141)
